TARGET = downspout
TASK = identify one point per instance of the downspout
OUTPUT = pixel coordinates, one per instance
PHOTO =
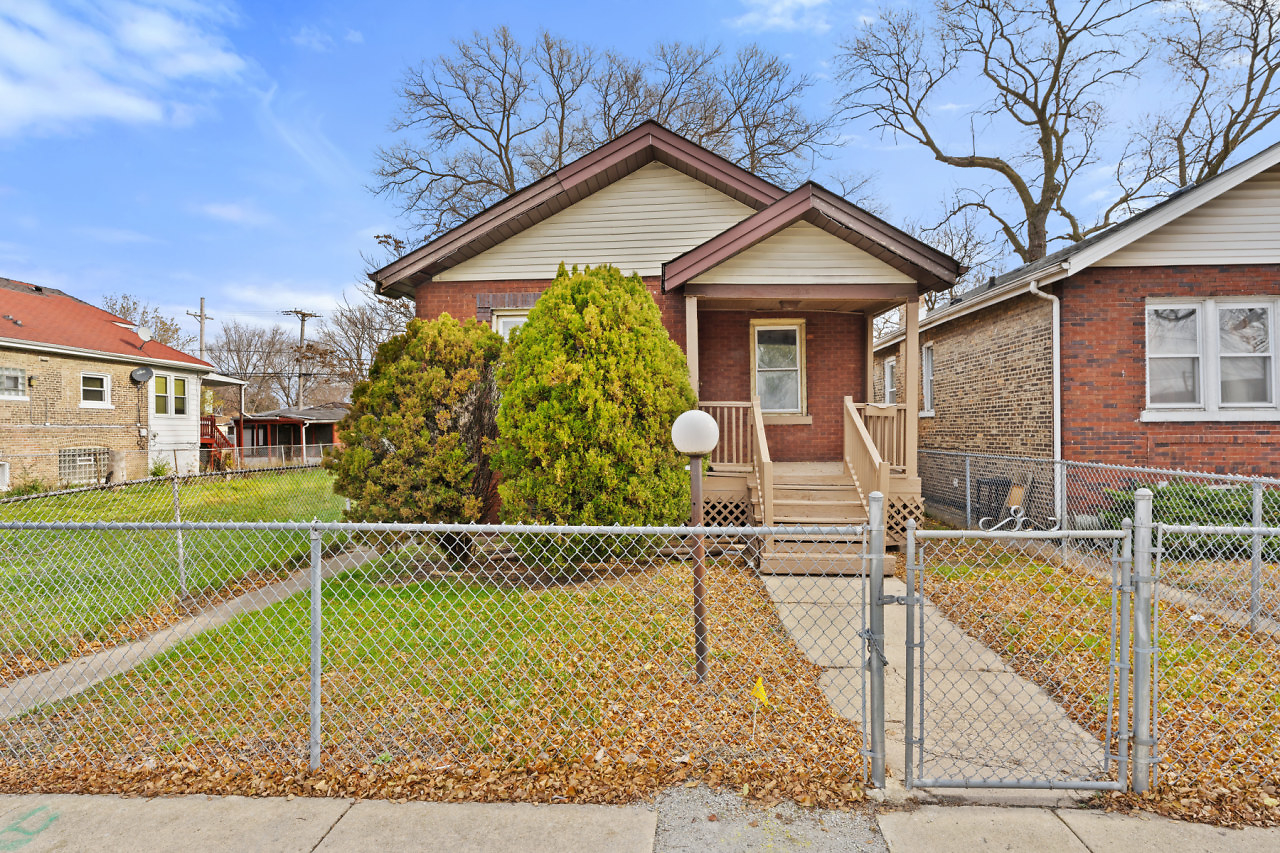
(1059, 472)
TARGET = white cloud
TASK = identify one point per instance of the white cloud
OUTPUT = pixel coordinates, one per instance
(787, 15)
(235, 213)
(354, 37)
(312, 38)
(304, 136)
(62, 64)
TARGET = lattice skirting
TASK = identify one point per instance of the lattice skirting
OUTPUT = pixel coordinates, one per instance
(727, 513)
(897, 511)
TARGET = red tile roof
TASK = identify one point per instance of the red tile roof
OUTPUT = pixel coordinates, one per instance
(42, 315)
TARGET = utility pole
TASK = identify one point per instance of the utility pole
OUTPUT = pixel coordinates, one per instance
(201, 317)
(302, 316)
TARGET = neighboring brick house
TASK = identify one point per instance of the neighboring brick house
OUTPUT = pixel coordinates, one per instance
(768, 292)
(1149, 344)
(77, 383)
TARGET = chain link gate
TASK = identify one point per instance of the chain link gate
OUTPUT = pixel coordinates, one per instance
(1018, 658)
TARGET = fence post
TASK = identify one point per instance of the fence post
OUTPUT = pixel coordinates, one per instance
(968, 496)
(1060, 493)
(1143, 646)
(909, 721)
(1124, 732)
(875, 653)
(182, 550)
(1255, 575)
(314, 740)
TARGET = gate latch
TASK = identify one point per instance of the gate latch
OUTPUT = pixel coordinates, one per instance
(893, 599)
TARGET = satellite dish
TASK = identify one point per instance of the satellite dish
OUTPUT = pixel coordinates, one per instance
(141, 374)
(144, 332)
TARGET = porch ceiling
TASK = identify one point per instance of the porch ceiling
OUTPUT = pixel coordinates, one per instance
(798, 297)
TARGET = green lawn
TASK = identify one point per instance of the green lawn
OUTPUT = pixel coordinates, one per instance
(61, 592)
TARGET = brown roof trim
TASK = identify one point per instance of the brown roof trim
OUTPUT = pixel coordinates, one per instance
(549, 195)
(835, 215)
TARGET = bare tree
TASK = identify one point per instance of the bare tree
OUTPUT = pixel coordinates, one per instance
(258, 355)
(164, 329)
(1043, 72)
(496, 114)
(1225, 58)
(350, 336)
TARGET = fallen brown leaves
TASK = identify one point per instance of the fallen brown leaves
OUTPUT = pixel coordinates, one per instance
(1219, 715)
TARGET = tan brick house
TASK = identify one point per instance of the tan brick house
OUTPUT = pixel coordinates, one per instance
(768, 292)
(77, 383)
(1149, 344)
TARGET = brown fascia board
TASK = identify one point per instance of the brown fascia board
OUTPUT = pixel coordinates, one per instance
(551, 194)
(818, 206)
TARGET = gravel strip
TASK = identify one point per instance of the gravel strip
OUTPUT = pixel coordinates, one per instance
(699, 820)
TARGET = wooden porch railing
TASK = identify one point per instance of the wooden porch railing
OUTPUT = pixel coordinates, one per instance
(734, 420)
(887, 426)
(861, 455)
(761, 462)
(211, 435)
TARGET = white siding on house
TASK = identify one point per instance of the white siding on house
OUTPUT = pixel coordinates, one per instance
(636, 223)
(1241, 226)
(176, 436)
(804, 254)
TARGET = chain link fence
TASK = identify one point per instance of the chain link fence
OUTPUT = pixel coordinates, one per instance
(457, 654)
(292, 493)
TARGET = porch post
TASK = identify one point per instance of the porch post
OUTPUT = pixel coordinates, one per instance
(911, 382)
(869, 386)
(691, 341)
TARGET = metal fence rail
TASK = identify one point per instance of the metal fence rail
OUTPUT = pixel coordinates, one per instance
(460, 648)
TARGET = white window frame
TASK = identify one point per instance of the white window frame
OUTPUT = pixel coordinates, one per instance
(170, 396)
(21, 396)
(1211, 407)
(500, 314)
(890, 369)
(926, 381)
(105, 403)
(798, 325)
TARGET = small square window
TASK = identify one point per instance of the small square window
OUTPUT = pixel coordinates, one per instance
(95, 390)
(506, 321)
(13, 382)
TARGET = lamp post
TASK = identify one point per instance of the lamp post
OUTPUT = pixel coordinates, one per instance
(695, 434)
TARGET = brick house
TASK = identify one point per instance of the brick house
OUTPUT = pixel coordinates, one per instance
(768, 292)
(1149, 344)
(77, 383)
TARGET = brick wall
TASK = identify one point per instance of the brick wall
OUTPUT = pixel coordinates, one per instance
(463, 299)
(992, 380)
(834, 347)
(1104, 372)
(32, 431)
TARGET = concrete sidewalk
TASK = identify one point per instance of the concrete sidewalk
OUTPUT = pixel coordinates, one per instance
(699, 820)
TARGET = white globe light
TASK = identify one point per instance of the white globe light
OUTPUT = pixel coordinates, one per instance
(695, 433)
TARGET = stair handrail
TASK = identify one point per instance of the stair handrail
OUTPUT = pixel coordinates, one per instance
(861, 457)
(761, 462)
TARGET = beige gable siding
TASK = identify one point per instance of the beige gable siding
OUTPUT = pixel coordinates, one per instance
(804, 254)
(1241, 226)
(637, 224)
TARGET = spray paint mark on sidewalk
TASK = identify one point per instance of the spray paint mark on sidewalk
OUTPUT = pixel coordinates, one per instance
(24, 830)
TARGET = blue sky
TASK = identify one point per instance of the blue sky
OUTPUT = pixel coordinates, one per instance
(175, 149)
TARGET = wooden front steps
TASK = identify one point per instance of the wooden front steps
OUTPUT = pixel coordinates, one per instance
(809, 494)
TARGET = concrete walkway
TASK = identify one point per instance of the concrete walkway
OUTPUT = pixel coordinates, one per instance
(983, 720)
(706, 823)
(80, 674)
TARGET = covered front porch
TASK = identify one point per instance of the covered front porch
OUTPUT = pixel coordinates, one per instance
(791, 387)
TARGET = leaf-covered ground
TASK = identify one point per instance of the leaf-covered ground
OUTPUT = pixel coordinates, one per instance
(439, 687)
(1219, 710)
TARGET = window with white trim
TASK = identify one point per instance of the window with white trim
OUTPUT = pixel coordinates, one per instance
(170, 395)
(1211, 358)
(890, 381)
(777, 366)
(507, 320)
(95, 391)
(13, 382)
(926, 378)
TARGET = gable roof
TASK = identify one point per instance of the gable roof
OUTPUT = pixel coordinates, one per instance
(553, 193)
(37, 317)
(837, 216)
(1077, 257)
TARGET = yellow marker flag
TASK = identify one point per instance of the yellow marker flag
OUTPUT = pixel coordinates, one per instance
(758, 692)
